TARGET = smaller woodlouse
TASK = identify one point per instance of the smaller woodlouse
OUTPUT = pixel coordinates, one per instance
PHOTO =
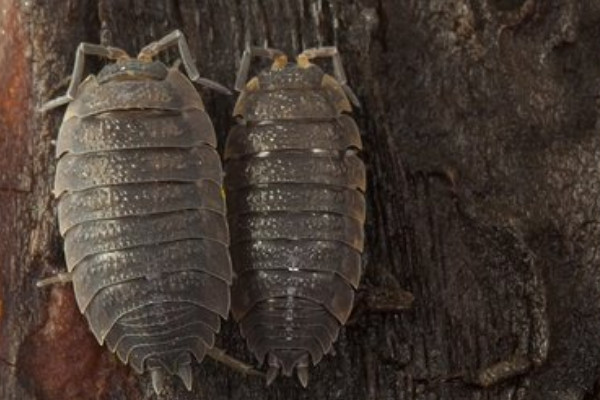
(295, 193)
(141, 209)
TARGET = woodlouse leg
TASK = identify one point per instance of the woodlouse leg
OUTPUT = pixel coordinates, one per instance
(219, 355)
(83, 49)
(338, 68)
(243, 71)
(62, 277)
(390, 298)
(500, 371)
(177, 38)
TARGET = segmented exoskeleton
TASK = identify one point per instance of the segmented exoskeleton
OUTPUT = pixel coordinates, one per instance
(296, 209)
(141, 209)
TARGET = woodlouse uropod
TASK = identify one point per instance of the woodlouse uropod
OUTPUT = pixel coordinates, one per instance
(295, 193)
(141, 209)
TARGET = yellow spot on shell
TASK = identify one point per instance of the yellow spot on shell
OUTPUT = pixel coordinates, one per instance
(252, 84)
(303, 61)
(279, 62)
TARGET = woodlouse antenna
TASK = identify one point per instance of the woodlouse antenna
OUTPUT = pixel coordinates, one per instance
(112, 53)
(177, 38)
(338, 68)
(279, 61)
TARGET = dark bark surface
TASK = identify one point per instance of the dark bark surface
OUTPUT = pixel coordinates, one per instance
(481, 139)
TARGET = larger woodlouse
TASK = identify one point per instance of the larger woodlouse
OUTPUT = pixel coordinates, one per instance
(141, 209)
(296, 209)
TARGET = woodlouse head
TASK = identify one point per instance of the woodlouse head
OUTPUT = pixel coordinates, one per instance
(133, 69)
(291, 75)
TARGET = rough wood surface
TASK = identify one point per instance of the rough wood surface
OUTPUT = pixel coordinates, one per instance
(480, 130)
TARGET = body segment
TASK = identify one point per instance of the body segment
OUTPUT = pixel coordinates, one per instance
(296, 210)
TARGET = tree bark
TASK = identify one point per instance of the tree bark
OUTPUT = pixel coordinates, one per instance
(480, 133)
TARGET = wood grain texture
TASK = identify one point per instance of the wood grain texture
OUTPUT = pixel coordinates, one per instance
(480, 122)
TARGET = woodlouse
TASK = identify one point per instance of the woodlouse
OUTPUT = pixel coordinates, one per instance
(141, 209)
(295, 193)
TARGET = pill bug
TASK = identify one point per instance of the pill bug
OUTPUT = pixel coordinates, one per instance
(295, 195)
(141, 209)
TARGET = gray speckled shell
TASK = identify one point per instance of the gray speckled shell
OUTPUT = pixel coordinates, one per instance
(295, 193)
(142, 214)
